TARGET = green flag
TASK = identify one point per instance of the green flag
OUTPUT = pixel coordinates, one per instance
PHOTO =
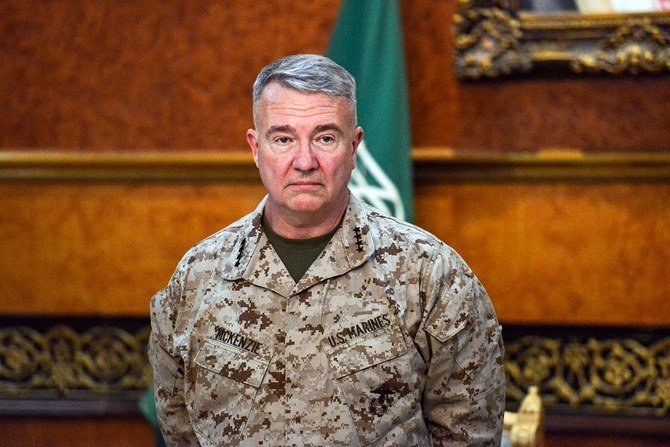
(367, 41)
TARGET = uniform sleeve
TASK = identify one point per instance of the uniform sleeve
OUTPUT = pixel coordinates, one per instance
(168, 368)
(464, 397)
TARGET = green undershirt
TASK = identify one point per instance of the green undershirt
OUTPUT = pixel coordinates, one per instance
(297, 254)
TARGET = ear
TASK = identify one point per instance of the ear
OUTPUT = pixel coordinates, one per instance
(358, 137)
(252, 141)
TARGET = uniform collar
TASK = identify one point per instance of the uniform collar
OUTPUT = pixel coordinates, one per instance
(254, 259)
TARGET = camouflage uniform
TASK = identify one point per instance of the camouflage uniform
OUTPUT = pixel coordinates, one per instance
(388, 339)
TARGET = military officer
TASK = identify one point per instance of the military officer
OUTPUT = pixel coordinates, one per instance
(317, 320)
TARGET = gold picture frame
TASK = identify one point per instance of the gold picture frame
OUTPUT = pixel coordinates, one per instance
(494, 38)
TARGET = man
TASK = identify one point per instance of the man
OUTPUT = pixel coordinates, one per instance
(315, 320)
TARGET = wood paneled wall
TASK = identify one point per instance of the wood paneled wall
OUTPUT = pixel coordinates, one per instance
(525, 114)
(67, 432)
(162, 77)
(561, 253)
(101, 248)
(549, 253)
(81, 75)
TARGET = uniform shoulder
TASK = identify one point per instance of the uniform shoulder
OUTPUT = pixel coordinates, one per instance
(220, 243)
(390, 228)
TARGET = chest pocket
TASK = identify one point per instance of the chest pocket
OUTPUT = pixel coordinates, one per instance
(226, 383)
(376, 377)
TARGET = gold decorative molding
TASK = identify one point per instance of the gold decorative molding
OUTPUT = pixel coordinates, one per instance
(59, 362)
(436, 164)
(493, 38)
(441, 165)
(619, 375)
(487, 43)
(636, 47)
(125, 166)
(589, 371)
(626, 375)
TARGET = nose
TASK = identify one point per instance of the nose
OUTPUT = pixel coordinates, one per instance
(304, 158)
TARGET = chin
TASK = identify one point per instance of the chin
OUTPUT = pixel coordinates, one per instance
(306, 208)
(306, 204)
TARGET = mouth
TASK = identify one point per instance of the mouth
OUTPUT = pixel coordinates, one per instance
(305, 185)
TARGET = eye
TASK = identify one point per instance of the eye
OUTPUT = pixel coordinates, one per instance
(326, 139)
(282, 140)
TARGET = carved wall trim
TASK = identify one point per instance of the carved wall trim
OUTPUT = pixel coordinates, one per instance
(493, 38)
(431, 164)
(638, 46)
(488, 43)
(229, 167)
(441, 165)
(72, 367)
(627, 374)
(46, 366)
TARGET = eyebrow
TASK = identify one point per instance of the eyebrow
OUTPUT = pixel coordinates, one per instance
(327, 127)
(285, 128)
(279, 129)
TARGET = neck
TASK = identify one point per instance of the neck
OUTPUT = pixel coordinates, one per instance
(301, 225)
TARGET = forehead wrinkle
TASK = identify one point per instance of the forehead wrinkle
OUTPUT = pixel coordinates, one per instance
(274, 106)
(273, 98)
(300, 109)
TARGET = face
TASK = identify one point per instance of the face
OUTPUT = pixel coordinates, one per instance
(304, 147)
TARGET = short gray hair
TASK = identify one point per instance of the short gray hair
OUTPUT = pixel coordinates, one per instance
(308, 73)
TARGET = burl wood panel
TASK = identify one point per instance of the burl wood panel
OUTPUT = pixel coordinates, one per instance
(172, 75)
(104, 249)
(601, 113)
(74, 432)
(131, 432)
(547, 253)
(560, 253)
(150, 74)
(603, 440)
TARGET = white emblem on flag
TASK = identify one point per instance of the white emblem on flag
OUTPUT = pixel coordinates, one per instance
(370, 184)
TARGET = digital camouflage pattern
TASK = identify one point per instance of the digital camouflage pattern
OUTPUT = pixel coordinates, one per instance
(387, 340)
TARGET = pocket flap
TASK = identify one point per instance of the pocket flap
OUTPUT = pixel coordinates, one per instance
(235, 363)
(450, 315)
(443, 329)
(366, 351)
